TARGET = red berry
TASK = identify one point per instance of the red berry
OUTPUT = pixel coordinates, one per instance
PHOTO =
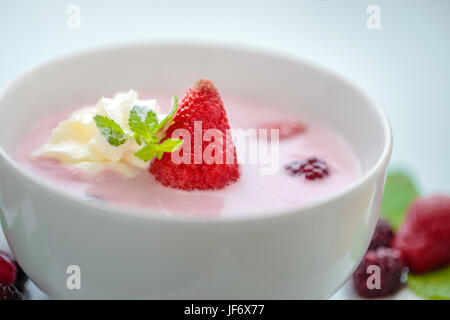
(203, 103)
(391, 271)
(382, 236)
(286, 129)
(424, 237)
(312, 168)
(9, 292)
(8, 269)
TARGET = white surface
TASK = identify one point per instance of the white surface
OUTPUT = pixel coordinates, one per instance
(304, 253)
(346, 292)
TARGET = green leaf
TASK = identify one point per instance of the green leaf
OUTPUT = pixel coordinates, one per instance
(170, 145)
(147, 153)
(142, 121)
(159, 154)
(170, 115)
(144, 124)
(432, 285)
(138, 139)
(399, 192)
(152, 150)
(110, 130)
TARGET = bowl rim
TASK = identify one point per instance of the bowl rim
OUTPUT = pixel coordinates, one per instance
(148, 214)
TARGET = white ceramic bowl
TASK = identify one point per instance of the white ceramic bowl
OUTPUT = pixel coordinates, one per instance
(305, 253)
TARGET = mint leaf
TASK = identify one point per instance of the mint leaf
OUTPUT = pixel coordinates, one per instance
(147, 153)
(110, 130)
(433, 285)
(399, 192)
(170, 115)
(144, 124)
(142, 121)
(138, 139)
(169, 145)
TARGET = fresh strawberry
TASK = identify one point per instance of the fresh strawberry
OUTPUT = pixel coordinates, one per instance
(286, 129)
(203, 105)
(8, 269)
(424, 237)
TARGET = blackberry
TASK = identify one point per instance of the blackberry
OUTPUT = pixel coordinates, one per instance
(312, 168)
(9, 292)
(392, 271)
(382, 236)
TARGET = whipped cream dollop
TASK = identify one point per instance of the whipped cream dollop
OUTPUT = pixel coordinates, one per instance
(77, 142)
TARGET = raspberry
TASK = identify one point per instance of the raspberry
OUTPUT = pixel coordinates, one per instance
(8, 269)
(9, 292)
(382, 236)
(392, 268)
(312, 168)
(424, 237)
(286, 129)
(202, 102)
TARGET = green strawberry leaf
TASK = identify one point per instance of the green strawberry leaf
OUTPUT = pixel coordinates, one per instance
(110, 130)
(399, 192)
(433, 285)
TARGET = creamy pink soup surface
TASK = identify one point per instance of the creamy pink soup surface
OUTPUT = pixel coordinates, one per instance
(253, 194)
